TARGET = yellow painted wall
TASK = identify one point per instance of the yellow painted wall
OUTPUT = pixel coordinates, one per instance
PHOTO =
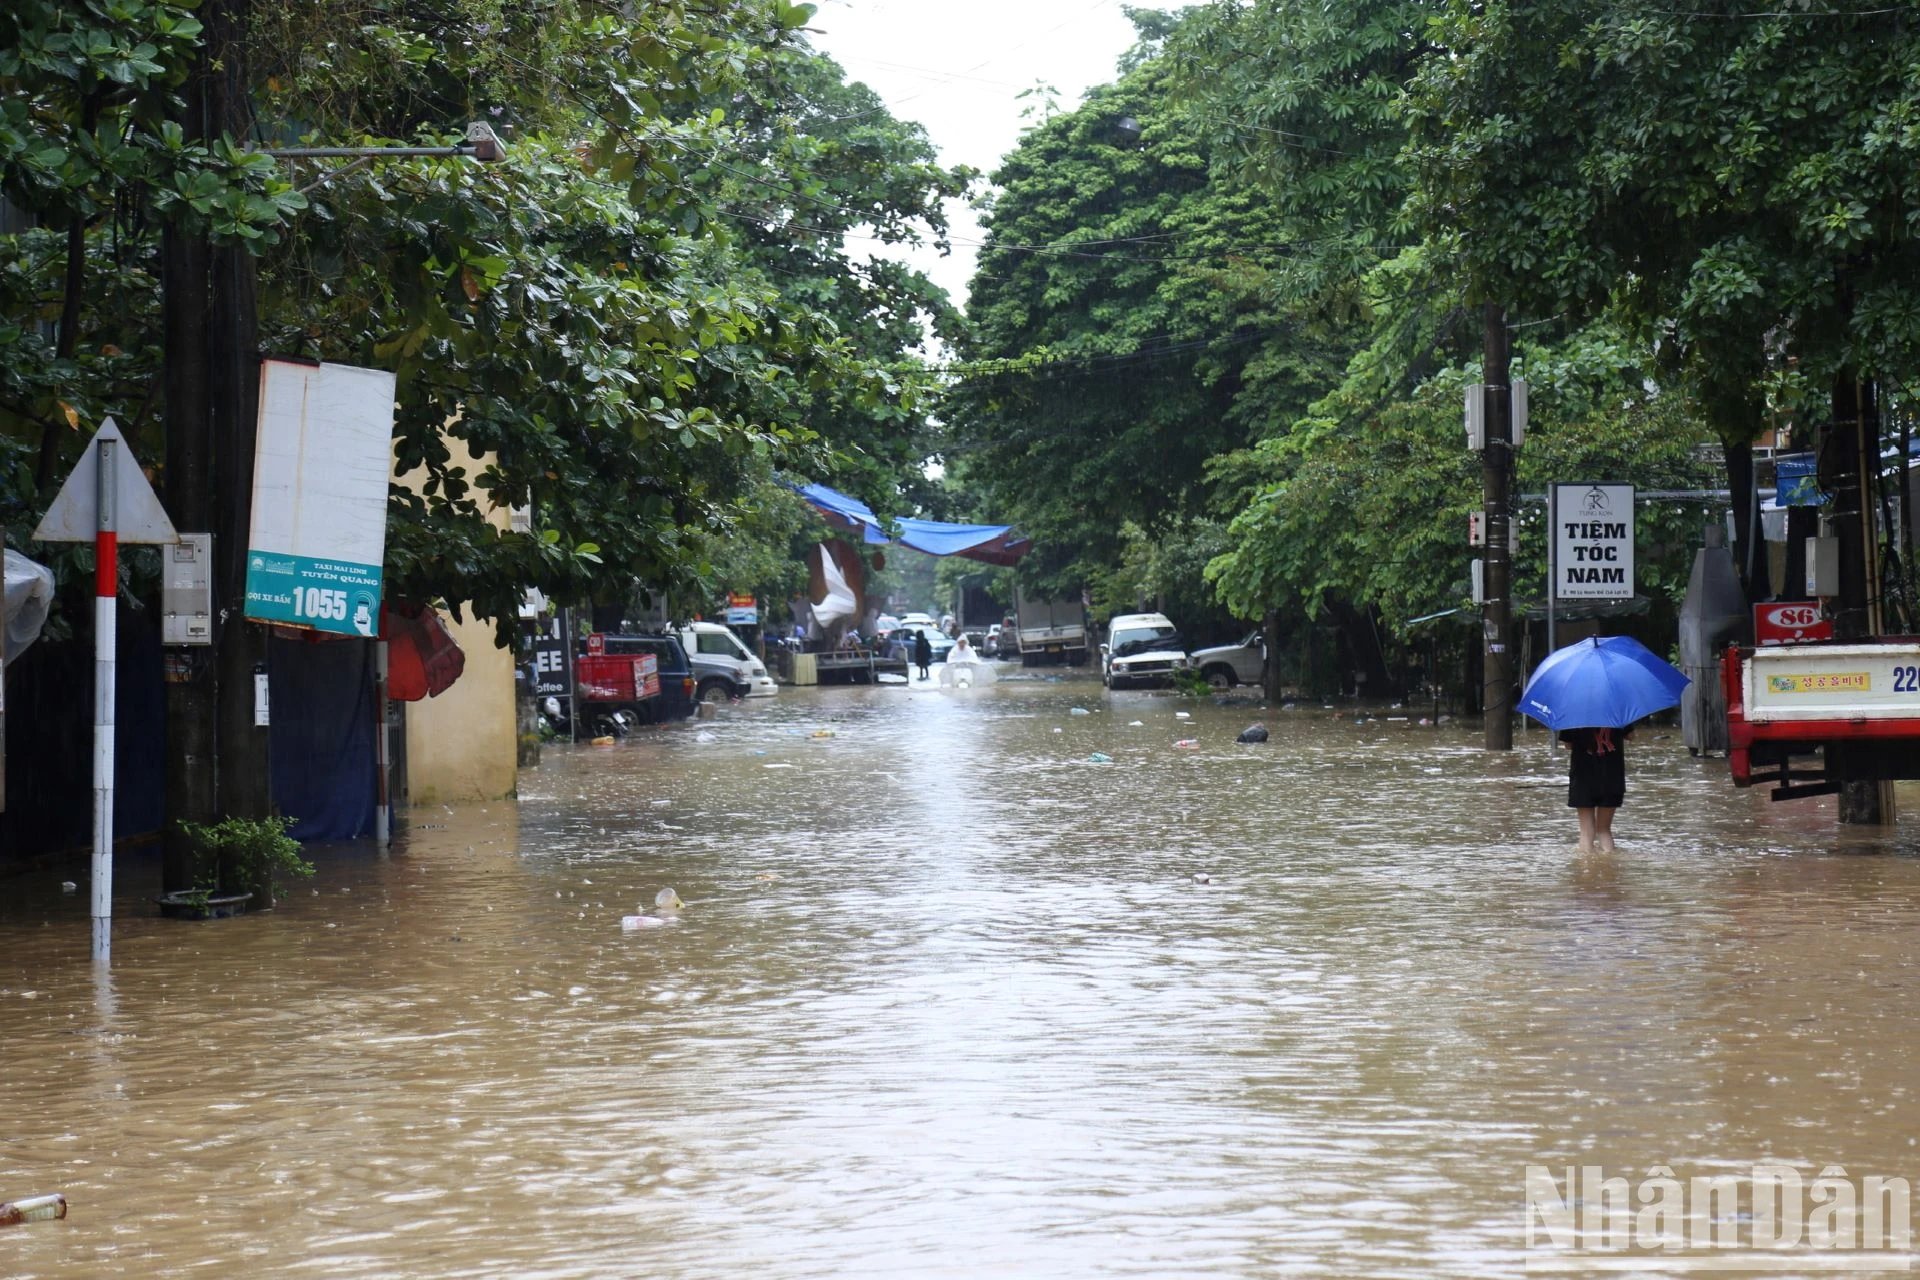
(461, 745)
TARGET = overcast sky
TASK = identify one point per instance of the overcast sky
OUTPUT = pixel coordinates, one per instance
(957, 68)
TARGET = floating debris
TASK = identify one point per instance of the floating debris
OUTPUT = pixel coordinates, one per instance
(1100, 757)
(32, 1209)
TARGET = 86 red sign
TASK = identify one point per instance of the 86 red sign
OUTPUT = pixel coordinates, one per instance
(1795, 622)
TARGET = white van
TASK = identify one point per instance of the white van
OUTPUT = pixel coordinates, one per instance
(723, 667)
(1141, 648)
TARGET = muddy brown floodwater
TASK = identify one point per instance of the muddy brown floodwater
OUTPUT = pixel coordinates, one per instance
(947, 999)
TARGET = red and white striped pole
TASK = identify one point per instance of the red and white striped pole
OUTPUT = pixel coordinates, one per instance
(106, 591)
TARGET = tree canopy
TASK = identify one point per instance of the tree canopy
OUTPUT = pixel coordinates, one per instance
(654, 302)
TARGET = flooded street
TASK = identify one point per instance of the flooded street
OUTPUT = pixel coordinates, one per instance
(947, 999)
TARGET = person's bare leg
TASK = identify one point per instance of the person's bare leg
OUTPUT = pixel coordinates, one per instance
(1586, 830)
(1603, 830)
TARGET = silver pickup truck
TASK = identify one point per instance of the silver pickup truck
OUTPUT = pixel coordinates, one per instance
(1225, 665)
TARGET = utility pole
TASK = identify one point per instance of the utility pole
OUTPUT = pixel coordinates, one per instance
(1496, 474)
(233, 348)
(1853, 445)
(190, 747)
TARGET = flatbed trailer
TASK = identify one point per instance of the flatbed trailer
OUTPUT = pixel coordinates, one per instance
(1854, 704)
(856, 666)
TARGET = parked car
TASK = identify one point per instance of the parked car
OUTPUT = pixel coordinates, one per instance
(1225, 665)
(677, 683)
(918, 620)
(1141, 649)
(900, 644)
(723, 667)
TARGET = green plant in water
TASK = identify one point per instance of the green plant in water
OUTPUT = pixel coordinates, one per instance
(1191, 684)
(249, 850)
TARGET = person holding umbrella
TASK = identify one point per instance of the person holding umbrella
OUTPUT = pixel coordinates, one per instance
(1590, 693)
(1596, 782)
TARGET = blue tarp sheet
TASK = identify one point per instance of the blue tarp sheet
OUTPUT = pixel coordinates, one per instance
(991, 543)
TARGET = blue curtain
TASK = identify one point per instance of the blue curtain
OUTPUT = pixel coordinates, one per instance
(320, 736)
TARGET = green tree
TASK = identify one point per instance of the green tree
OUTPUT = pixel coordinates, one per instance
(1122, 329)
(1734, 182)
(89, 163)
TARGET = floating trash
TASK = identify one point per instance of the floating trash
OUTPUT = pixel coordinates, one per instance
(602, 742)
(781, 765)
(68, 886)
(1079, 711)
(1183, 715)
(32, 1209)
(821, 733)
(1201, 877)
(1187, 744)
(1253, 733)
(1100, 757)
(1056, 728)
(1136, 724)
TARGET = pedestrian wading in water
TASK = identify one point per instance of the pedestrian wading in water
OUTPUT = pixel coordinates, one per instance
(1596, 782)
(922, 652)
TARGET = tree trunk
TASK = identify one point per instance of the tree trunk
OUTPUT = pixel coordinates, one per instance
(1271, 672)
(73, 291)
(1749, 542)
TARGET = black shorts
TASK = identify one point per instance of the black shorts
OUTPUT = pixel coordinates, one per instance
(1583, 794)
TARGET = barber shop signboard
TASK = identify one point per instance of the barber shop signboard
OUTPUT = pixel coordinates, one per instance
(1592, 541)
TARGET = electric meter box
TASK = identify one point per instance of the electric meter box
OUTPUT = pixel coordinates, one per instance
(1823, 566)
(186, 590)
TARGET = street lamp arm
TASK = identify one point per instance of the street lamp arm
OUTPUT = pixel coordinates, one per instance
(318, 153)
(481, 144)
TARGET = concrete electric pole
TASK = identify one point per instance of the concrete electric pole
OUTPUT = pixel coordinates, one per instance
(1496, 476)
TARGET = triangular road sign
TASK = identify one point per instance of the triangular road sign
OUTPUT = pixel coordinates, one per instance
(74, 517)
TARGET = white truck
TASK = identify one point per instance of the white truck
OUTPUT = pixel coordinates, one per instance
(1050, 630)
(723, 666)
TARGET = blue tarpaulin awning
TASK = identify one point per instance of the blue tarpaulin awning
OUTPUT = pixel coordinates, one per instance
(988, 543)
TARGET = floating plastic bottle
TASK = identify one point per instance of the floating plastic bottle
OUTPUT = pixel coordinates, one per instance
(32, 1209)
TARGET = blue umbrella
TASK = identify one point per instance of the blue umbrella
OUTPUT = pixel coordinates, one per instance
(1606, 682)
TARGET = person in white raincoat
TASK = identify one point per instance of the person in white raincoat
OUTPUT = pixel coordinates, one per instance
(963, 668)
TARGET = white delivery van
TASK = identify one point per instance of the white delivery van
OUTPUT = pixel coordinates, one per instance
(724, 668)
